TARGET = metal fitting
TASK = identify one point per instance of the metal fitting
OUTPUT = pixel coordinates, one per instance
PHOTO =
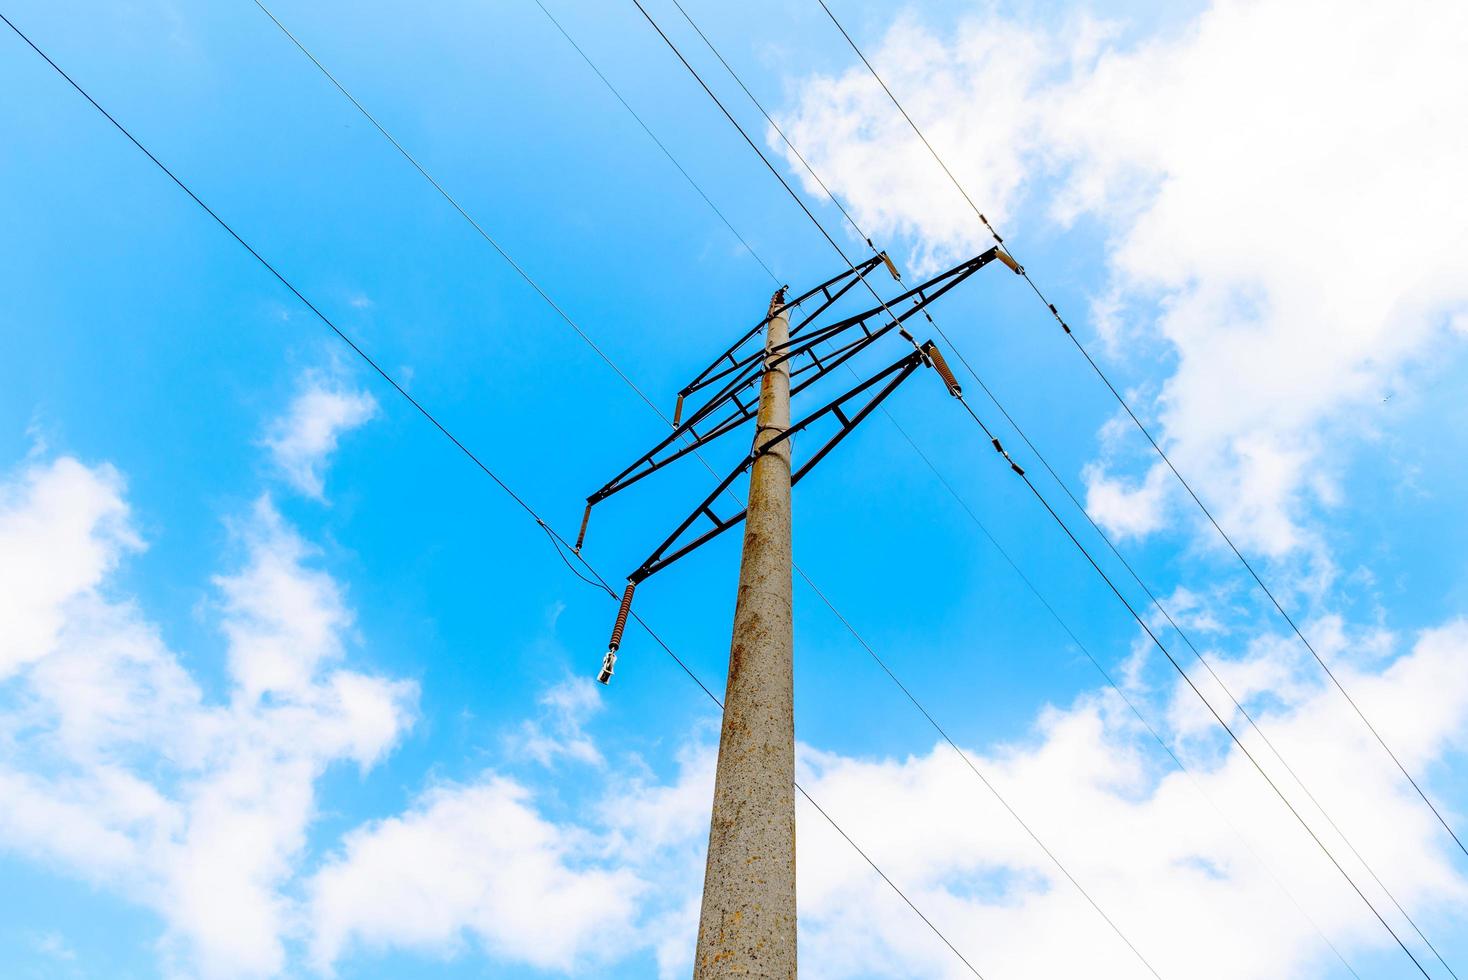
(610, 660)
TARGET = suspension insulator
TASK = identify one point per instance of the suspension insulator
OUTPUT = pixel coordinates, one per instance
(678, 410)
(581, 534)
(610, 660)
(891, 267)
(935, 356)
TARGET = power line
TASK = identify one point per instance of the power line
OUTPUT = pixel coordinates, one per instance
(1150, 439)
(816, 221)
(557, 538)
(622, 374)
(1064, 486)
(735, 123)
(861, 233)
(493, 242)
(1106, 675)
(1018, 470)
(654, 137)
(1113, 548)
(773, 125)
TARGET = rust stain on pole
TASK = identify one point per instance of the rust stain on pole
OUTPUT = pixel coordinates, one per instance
(747, 924)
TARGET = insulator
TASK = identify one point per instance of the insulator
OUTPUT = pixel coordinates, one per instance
(1008, 260)
(581, 534)
(891, 267)
(610, 660)
(678, 411)
(935, 356)
(777, 302)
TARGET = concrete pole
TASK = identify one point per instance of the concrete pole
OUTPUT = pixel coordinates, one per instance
(747, 926)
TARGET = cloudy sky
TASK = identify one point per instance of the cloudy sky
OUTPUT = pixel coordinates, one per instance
(288, 687)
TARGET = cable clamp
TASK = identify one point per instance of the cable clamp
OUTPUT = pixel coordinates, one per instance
(999, 448)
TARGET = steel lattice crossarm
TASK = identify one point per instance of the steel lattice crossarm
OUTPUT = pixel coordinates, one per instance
(744, 373)
(841, 283)
(844, 338)
(839, 408)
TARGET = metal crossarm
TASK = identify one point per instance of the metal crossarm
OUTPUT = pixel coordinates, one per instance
(749, 368)
(847, 279)
(925, 293)
(743, 373)
(893, 375)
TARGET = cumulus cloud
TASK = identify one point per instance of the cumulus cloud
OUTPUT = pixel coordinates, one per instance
(114, 763)
(560, 730)
(1126, 510)
(71, 523)
(1278, 184)
(117, 767)
(476, 861)
(303, 439)
(1205, 871)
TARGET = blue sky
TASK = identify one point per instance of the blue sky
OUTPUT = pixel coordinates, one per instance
(292, 689)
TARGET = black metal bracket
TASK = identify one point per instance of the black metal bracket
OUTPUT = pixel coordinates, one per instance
(896, 373)
(734, 404)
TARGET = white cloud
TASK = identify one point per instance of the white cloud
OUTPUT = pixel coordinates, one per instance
(54, 945)
(1179, 882)
(1187, 886)
(115, 765)
(1279, 182)
(302, 440)
(1126, 510)
(559, 732)
(475, 860)
(69, 524)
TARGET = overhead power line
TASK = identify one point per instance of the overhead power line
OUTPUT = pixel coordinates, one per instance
(654, 137)
(559, 541)
(1208, 666)
(1085, 552)
(719, 213)
(942, 480)
(621, 374)
(673, 47)
(1156, 446)
(789, 190)
(831, 240)
(1110, 682)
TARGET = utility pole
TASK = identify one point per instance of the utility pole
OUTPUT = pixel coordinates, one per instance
(747, 925)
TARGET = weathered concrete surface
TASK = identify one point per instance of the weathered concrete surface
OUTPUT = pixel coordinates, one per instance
(747, 928)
